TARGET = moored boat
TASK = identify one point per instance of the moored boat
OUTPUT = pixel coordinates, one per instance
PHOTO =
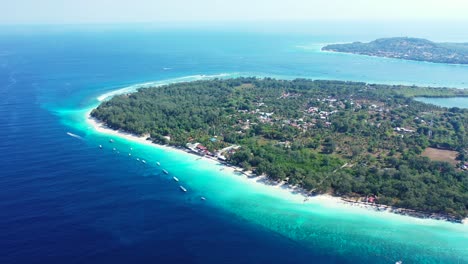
(182, 188)
(165, 171)
(175, 179)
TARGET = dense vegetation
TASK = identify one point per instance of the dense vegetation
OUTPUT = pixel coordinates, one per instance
(409, 49)
(345, 138)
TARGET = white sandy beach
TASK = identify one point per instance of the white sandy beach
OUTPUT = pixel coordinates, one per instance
(300, 196)
(281, 190)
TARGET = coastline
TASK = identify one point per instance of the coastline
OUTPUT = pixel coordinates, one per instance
(102, 128)
(387, 57)
(304, 195)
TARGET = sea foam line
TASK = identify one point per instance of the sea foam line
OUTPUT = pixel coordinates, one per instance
(133, 88)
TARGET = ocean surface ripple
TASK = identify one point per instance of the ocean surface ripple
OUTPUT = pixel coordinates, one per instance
(65, 200)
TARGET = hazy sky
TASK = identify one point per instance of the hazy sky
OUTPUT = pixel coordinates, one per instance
(122, 11)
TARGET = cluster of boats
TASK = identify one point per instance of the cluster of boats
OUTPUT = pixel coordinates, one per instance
(182, 188)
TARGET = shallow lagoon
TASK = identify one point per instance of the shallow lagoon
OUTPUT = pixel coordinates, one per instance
(460, 102)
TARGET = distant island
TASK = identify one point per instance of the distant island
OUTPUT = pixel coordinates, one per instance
(368, 143)
(407, 48)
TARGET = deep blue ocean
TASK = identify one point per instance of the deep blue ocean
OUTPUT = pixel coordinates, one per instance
(63, 200)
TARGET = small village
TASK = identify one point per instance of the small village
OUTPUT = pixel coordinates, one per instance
(318, 113)
(311, 135)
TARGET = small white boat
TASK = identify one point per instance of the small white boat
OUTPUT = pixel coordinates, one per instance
(138, 159)
(111, 140)
(129, 154)
(131, 148)
(203, 198)
(165, 171)
(399, 262)
(114, 149)
(182, 188)
(100, 146)
(144, 161)
(157, 163)
(175, 179)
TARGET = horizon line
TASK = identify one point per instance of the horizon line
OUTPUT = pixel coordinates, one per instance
(229, 21)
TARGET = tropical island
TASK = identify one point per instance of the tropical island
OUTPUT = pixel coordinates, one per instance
(407, 48)
(364, 142)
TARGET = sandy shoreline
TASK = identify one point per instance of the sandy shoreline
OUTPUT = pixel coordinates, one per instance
(102, 128)
(305, 196)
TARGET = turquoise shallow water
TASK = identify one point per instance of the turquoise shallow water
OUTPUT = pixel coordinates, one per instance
(460, 102)
(320, 223)
(105, 206)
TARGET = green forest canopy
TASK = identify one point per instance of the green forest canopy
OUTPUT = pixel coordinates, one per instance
(345, 138)
(408, 49)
